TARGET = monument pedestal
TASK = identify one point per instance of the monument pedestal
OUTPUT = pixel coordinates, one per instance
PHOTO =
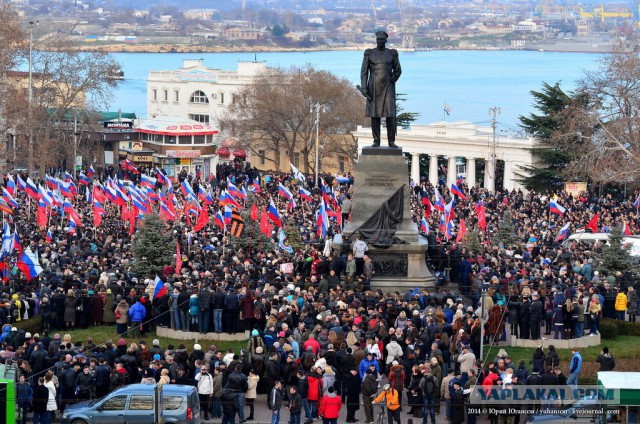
(379, 174)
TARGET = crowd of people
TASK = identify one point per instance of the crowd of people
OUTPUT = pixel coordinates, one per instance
(320, 336)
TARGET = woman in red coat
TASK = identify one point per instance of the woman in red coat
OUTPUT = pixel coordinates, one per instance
(247, 310)
(330, 406)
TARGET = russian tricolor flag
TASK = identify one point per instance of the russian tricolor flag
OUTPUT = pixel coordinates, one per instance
(21, 184)
(44, 196)
(439, 203)
(11, 185)
(305, 194)
(562, 234)
(557, 208)
(162, 178)
(274, 215)
(322, 220)
(29, 265)
(456, 190)
(186, 189)
(255, 187)
(91, 171)
(284, 192)
(31, 189)
(219, 221)
(9, 198)
(147, 181)
(159, 289)
(424, 227)
(227, 214)
(49, 236)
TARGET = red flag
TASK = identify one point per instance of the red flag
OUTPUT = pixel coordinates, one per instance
(124, 213)
(133, 215)
(626, 230)
(41, 217)
(203, 219)
(427, 207)
(178, 258)
(254, 212)
(593, 224)
(462, 230)
(265, 226)
(482, 216)
(97, 218)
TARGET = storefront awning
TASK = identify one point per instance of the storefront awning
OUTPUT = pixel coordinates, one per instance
(239, 153)
(174, 126)
(223, 152)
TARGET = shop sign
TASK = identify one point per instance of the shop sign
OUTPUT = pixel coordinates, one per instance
(183, 153)
(575, 189)
(185, 161)
(141, 158)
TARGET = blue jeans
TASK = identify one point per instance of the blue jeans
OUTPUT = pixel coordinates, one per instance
(294, 418)
(579, 329)
(217, 320)
(176, 319)
(42, 417)
(203, 321)
(240, 405)
(308, 415)
(620, 315)
(429, 409)
(275, 417)
(595, 323)
(313, 407)
(216, 407)
(572, 380)
(447, 404)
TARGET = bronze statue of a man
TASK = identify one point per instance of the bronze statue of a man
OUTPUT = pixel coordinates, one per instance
(378, 76)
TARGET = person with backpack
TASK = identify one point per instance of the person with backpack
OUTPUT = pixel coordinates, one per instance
(429, 386)
(120, 376)
(396, 378)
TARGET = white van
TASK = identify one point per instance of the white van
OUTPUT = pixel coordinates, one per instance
(632, 241)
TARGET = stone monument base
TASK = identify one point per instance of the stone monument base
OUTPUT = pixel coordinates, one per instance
(401, 267)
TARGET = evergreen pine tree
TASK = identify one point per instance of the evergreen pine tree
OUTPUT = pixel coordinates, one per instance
(506, 234)
(251, 236)
(153, 248)
(555, 149)
(472, 241)
(615, 256)
(293, 235)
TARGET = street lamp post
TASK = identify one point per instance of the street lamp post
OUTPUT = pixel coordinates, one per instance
(317, 107)
(32, 24)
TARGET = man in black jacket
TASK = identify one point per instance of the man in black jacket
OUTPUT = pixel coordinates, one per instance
(204, 301)
(536, 311)
(352, 387)
(369, 390)
(231, 311)
(237, 383)
(39, 404)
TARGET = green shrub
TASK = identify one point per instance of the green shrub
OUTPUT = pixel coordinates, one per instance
(31, 325)
(626, 328)
(608, 328)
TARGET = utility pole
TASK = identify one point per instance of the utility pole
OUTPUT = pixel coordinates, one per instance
(494, 112)
(32, 24)
(75, 141)
(317, 107)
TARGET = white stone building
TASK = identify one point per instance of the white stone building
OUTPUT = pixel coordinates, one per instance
(459, 146)
(197, 92)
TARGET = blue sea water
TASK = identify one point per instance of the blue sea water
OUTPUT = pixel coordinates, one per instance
(470, 82)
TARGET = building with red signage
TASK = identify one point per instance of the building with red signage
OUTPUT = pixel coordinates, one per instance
(175, 144)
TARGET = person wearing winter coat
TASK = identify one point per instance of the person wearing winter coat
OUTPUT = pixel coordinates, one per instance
(85, 384)
(252, 393)
(108, 316)
(457, 404)
(205, 389)
(216, 395)
(329, 409)
(352, 387)
(369, 389)
(606, 361)
(295, 405)
(70, 304)
(122, 316)
(194, 310)
(394, 351)
(24, 398)
(621, 305)
(368, 361)
(274, 402)
(396, 378)
(137, 312)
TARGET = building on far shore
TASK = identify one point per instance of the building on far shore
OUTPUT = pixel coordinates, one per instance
(197, 92)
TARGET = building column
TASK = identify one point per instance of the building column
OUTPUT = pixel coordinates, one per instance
(452, 174)
(433, 170)
(471, 172)
(489, 175)
(507, 180)
(415, 168)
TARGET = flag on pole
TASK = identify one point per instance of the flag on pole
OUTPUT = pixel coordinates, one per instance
(219, 221)
(593, 224)
(237, 224)
(447, 108)
(29, 265)
(159, 289)
(274, 215)
(626, 230)
(456, 190)
(297, 174)
(462, 230)
(555, 207)
(562, 234)
(482, 215)
(424, 227)
(283, 243)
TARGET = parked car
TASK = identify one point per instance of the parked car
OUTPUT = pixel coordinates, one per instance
(135, 404)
